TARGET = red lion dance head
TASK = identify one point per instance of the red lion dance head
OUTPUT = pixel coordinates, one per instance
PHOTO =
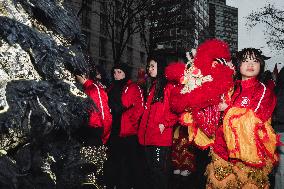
(209, 77)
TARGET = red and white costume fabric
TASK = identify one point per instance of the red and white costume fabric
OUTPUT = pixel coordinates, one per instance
(101, 118)
(249, 140)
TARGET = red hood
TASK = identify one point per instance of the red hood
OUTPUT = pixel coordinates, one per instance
(175, 71)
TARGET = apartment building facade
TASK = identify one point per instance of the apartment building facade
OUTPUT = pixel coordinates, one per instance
(99, 47)
(224, 23)
(177, 26)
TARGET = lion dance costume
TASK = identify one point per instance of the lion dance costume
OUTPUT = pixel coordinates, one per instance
(243, 146)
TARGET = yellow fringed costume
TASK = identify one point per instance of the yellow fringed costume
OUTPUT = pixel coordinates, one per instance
(249, 139)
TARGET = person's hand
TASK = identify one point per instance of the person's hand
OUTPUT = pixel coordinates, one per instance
(81, 79)
(222, 106)
(161, 127)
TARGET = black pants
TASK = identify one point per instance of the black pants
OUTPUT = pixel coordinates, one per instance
(123, 167)
(90, 136)
(159, 167)
(202, 161)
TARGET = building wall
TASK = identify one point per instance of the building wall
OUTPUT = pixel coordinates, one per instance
(224, 23)
(100, 47)
(178, 26)
(201, 13)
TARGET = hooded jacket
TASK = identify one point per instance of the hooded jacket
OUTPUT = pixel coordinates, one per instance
(132, 106)
(101, 118)
(154, 114)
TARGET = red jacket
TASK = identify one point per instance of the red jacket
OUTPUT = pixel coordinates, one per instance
(102, 118)
(155, 114)
(256, 96)
(133, 102)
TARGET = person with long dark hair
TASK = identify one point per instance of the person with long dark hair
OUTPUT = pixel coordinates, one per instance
(98, 73)
(127, 104)
(156, 126)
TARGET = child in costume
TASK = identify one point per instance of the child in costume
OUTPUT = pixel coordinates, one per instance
(244, 151)
(243, 147)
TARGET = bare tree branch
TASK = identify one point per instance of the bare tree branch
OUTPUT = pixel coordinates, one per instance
(122, 20)
(273, 19)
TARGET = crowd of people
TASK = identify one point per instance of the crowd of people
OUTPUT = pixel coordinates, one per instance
(154, 133)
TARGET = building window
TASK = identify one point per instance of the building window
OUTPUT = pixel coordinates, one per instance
(171, 32)
(179, 44)
(129, 55)
(103, 6)
(117, 30)
(103, 24)
(177, 31)
(179, 18)
(87, 37)
(102, 47)
(142, 57)
(86, 13)
(130, 40)
(142, 40)
(173, 44)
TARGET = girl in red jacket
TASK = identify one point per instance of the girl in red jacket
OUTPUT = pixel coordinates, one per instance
(127, 104)
(100, 120)
(244, 151)
(156, 127)
(97, 132)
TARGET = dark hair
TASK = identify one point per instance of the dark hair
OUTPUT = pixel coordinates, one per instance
(240, 57)
(267, 75)
(99, 69)
(124, 67)
(251, 53)
(160, 78)
(280, 81)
